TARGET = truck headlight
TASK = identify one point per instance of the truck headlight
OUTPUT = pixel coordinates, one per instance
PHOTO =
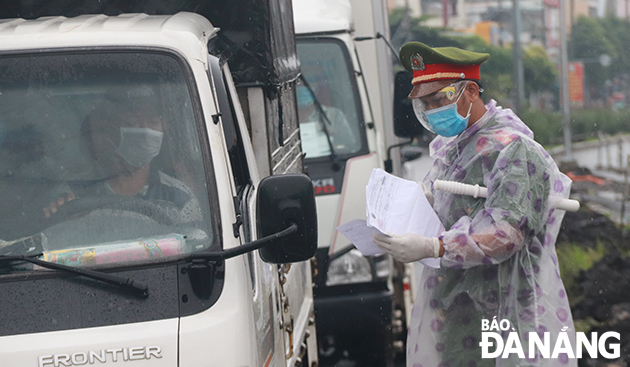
(351, 267)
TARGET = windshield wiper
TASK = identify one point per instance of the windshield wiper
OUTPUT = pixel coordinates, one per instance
(325, 124)
(138, 288)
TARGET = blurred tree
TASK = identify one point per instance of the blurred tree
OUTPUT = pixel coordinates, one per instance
(496, 73)
(589, 40)
(400, 22)
(618, 33)
(540, 72)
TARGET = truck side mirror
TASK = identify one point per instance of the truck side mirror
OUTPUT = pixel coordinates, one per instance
(410, 153)
(405, 123)
(282, 201)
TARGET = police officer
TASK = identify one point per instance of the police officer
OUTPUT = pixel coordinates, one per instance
(497, 255)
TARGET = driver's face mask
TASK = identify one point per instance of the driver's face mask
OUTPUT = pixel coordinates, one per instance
(139, 145)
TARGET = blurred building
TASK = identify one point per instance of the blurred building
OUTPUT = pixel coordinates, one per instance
(493, 19)
(412, 5)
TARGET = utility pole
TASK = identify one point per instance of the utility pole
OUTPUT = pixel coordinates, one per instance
(564, 83)
(519, 81)
(500, 18)
(445, 13)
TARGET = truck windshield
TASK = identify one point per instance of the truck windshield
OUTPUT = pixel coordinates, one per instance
(100, 159)
(327, 68)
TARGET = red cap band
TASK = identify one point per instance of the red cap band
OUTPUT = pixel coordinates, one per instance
(434, 72)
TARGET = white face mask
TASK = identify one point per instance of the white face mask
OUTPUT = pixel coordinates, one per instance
(139, 145)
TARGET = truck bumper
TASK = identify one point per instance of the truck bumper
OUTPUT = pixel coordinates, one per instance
(354, 326)
(357, 312)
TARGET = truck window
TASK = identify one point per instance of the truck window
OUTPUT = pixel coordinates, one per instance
(331, 85)
(101, 159)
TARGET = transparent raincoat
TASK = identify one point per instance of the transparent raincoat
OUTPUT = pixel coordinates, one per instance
(500, 258)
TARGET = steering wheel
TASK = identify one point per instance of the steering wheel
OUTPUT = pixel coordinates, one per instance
(84, 205)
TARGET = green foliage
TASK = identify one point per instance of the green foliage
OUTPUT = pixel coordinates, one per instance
(586, 325)
(547, 126)
(573, 258)
(589, 40)
(395, 18)
(539, 72)
(604, 120)
(497, 72)
(618, 33)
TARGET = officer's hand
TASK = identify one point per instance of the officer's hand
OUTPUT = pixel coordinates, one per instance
(427, 193)
(52, 208)
(409, 247)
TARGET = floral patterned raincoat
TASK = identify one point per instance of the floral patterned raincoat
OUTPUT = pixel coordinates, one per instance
(500, 258)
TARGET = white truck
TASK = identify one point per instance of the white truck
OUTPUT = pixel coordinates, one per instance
(131, 203)
(345, 105)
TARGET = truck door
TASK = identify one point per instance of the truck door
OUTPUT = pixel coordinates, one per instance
(264, 283)
(282, 293)
(281, 296)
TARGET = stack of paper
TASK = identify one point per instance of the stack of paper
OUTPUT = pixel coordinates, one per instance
(394, 206)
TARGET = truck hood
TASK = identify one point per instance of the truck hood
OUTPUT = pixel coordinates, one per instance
(147, 344)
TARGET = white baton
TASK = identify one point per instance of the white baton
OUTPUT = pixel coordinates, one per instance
(482, 192)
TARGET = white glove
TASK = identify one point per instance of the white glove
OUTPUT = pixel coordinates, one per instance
(427, 193)
(409, 247)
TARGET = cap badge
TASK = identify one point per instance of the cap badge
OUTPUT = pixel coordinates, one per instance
(417, 62)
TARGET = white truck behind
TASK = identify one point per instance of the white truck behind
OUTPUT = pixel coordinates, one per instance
(345, 104)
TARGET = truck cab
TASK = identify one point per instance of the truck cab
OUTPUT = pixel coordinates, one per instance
(135, 225)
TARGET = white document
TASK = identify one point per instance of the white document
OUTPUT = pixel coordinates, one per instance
(394, 205)
(361, 236)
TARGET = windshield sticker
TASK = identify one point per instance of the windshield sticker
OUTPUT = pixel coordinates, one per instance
(118, 252)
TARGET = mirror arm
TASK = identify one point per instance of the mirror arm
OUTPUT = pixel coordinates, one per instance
(239, 250)
(388, 162)
(387, 42)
